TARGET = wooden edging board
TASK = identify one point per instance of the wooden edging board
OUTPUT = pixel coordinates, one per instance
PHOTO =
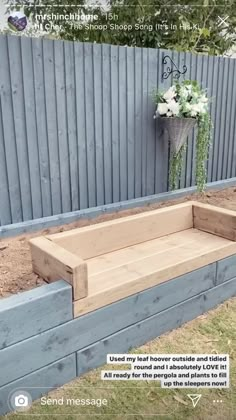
(215, 220)
(52, 262)
(101, 238)
(111, 295)
(64, 255)
(56, 256)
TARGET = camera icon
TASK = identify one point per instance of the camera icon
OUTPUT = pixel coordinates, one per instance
(21, 401)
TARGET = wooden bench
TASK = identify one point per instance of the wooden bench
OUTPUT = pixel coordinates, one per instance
(108, 261)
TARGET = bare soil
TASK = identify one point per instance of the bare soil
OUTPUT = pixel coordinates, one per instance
(15, 260)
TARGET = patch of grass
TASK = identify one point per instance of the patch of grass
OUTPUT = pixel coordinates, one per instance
(214, 332)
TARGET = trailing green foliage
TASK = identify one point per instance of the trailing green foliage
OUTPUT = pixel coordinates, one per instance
(176, 162)
(202, 147)
(204, 125)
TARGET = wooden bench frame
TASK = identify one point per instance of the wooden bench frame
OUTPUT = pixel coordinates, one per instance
(64, 255)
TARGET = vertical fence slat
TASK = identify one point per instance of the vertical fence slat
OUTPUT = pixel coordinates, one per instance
(198, 77)
(9, 133)
(181, 62)
(153, 148)
(81, 133)
(204, 81)
(62, 126)
(144, 118)
(122, 114)
(231, 165)
(18, 104)
(5, 210)
(217, 127)
(89, 118)
(213, 150)
(71, 123)
(205, 60)
(176, 59)
(222, 138)
(115, 123)
(187, 76)
(192, 136)
(227, 117)
(130, 120)
(99, 166)
(42, 128)
(51, 121)
(30, 127)
(138, 122)
(162, 138)
(211, 91)
(107, 123)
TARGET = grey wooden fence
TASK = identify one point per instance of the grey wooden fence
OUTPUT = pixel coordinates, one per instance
(77, 127)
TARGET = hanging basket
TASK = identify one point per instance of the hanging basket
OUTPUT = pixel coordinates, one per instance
(178, 130)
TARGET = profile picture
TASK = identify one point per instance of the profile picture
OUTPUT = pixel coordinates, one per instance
(17, 21)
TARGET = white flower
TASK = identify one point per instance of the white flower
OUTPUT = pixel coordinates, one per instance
(155, 115)
(204, 99)
(193, 113)
(170, 93)
(187, 107)
(184, 92)
(162, 108)
(173, 106)
(169, 114)
(198, 108)
(202, 107)
(194, 110)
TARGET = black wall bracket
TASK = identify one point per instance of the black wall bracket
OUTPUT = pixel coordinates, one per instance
(171, 68)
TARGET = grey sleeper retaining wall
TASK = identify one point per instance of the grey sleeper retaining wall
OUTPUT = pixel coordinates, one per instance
(43, 347)
(30, 313)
